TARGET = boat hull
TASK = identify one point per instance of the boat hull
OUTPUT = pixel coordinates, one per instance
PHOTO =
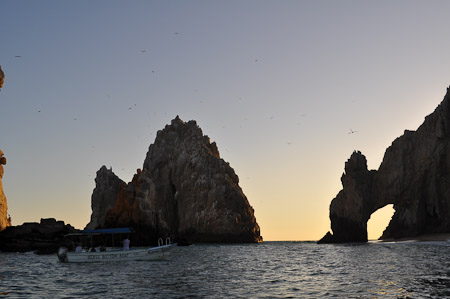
(135, 254)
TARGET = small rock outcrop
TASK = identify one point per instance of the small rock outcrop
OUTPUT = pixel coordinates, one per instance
(2, 77)
(414, 176)
(184, 190)
(5, 220)
(43, 238)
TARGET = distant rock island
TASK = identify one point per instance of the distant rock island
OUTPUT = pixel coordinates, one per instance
(414, 176)
(5, 220)
(184, 190)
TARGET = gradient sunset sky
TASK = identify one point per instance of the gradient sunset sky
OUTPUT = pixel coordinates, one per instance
(278, 85)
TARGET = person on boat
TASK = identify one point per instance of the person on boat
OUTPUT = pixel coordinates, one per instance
(126, 244)
(78, 249)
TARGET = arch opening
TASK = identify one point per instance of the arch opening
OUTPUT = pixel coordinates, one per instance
(378, 221)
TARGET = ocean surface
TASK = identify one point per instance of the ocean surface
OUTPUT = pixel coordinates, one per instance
(267, 270)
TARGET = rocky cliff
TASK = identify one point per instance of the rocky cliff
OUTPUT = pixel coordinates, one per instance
(184, 190)
(414, 176)
(5, 221)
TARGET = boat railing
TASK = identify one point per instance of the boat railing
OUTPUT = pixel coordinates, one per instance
(161, 241)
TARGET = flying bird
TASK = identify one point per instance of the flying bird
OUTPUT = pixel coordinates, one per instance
(352, 132)
(2, 77)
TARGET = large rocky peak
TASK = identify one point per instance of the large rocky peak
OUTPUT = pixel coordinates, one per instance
(185, 190)
(108, 186)
(414, 176)
(5, 221)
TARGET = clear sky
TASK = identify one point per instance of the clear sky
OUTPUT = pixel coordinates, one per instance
(277, 84)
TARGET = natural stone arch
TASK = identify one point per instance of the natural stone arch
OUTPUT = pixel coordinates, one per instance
(414, 176)
(352, 208)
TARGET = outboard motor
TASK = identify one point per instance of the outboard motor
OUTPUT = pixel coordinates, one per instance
(62, 254)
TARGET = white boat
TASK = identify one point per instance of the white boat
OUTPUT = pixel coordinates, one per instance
(162, 251)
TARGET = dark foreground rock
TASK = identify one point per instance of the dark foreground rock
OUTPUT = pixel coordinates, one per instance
(185, 191)
(414, 176)
(43, 238)
(328, 238)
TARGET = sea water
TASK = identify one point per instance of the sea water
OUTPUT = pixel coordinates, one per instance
(267, 270)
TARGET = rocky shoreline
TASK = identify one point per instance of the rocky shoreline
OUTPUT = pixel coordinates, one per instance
(44, 237)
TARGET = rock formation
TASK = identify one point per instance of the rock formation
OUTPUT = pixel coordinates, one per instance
(108, 186)
(5, 221)
(43, 238)
(2, 77)
(185, 190)
(414, 176)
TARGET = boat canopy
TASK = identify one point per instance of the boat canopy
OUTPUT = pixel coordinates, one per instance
(103, 231)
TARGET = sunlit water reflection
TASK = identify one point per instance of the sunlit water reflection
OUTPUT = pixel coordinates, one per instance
(268, 270)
